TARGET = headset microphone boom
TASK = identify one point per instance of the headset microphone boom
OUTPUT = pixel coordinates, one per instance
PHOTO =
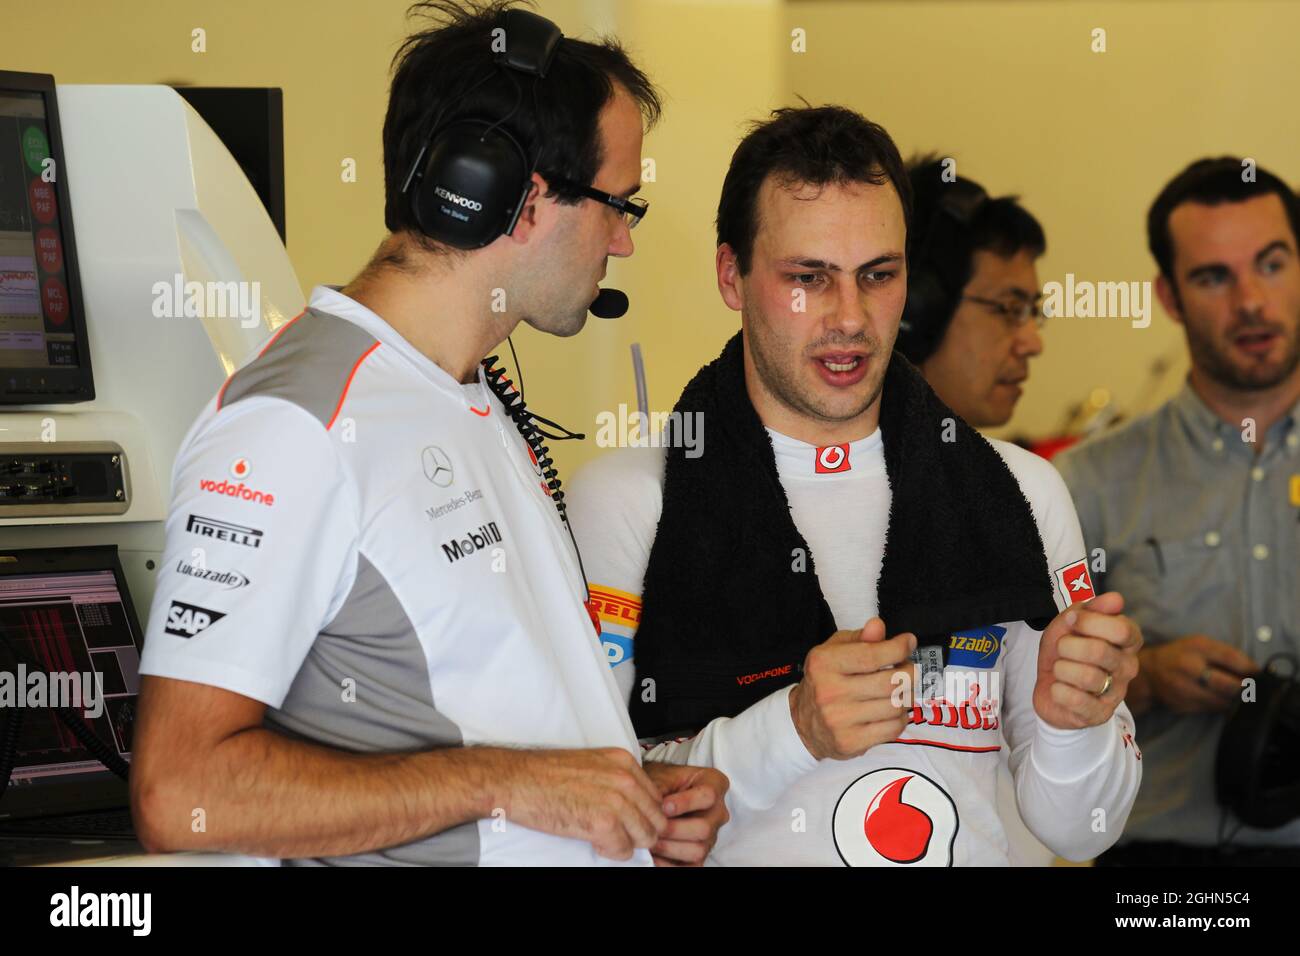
(609, 304)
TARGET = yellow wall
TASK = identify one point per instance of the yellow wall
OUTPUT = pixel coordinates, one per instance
(719, 65)
(1009, 88)
(1014, 92)
(331, 57)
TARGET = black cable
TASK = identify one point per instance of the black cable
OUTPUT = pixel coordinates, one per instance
(9, 738)
(519, 372)
(98, 749)
(438, 115)
(568, 435)
(519, 99)
(525, 422)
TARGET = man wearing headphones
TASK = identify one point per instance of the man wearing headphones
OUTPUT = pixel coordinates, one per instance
(973, 306)
(971, 324)
(852, 594)
(408, 673)
(1197, 506)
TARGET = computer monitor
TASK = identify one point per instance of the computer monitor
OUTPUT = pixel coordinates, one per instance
(165, 218)
(66, 611)
(44, 354)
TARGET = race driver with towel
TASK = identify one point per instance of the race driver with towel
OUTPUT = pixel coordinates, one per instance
(403, 671)
(833, 490)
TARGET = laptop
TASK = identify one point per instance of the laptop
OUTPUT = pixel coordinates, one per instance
(69, 636)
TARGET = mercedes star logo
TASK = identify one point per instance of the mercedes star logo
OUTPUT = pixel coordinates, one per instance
(437, 466)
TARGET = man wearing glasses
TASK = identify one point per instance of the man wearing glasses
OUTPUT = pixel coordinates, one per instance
(971, 326)
(409, 674)
(973, 303)
(630, 209)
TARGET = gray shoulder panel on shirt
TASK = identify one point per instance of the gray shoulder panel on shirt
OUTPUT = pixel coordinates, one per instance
(364, 688)
(308, 363)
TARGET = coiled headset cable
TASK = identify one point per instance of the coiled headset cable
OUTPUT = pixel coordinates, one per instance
(526, 423)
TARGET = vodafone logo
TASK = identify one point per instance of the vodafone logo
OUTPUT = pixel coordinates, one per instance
(241, 468)
(831, 459)
(233, 490)
(895, 817)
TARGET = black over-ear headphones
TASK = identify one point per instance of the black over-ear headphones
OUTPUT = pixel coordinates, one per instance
(1257, 770)
(471, 177)
(930, 301)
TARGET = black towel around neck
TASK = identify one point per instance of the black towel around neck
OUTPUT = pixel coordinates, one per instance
(730, 608)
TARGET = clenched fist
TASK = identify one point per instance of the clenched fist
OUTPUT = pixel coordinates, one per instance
(1088, 648)
(846, 702)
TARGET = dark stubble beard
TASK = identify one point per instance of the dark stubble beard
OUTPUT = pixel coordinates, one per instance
(564, 313)
(562, 319)
(1217, 364)
(562, 326)
(780, 377)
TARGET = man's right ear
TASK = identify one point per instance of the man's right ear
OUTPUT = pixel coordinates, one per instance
(532, 212)
(728, 269)
(1169, 298)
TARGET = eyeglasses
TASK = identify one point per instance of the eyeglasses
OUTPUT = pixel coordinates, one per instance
(632, 210)
(1016, 314)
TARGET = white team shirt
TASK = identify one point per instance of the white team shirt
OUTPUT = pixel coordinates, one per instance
(366, 546)
(790, 809)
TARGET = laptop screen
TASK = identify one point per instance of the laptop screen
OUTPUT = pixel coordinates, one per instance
(69, 639)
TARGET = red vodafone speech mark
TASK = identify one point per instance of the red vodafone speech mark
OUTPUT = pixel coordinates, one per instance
(831, 459)
(896, 830)
(895, 816)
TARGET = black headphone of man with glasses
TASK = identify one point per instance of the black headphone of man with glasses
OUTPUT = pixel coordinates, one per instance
(471, 177)
(944, 240)
(467, 187)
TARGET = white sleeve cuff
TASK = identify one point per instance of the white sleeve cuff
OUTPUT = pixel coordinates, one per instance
(1062, 756)
(779, 730)
(760, 750)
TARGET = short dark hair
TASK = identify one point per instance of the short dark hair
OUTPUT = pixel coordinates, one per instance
(818, 146)
(954, 219)
(945, 247)
(433, 71)
(1211, 182)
